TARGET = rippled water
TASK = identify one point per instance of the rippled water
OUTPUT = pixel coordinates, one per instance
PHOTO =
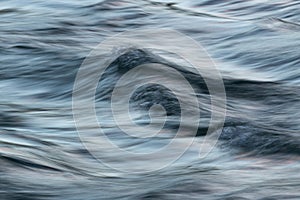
(255, 45)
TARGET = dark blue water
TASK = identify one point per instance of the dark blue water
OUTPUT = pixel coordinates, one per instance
(256, 48)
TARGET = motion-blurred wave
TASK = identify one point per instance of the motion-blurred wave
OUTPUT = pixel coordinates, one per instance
(256, 48)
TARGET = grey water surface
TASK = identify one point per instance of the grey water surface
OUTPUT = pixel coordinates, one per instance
(255, 45)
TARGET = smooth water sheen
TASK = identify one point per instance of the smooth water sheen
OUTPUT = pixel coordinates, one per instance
(255, 45)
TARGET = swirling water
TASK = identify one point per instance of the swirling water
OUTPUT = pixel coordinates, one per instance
(255, 45)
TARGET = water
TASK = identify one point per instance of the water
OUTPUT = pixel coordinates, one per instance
(255, 45)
